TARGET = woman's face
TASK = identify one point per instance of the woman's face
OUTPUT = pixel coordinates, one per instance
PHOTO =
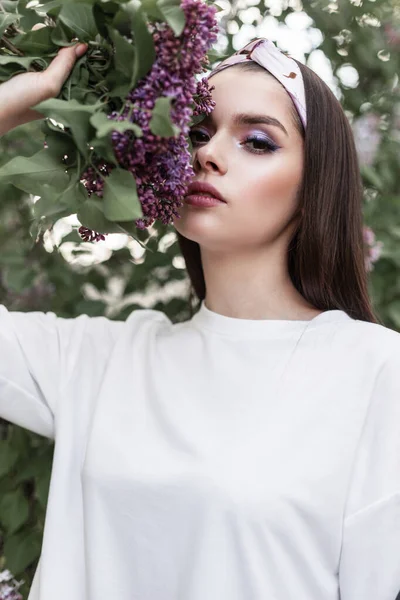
(256, 167)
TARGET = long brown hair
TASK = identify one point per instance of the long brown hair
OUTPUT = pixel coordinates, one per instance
(327, 253)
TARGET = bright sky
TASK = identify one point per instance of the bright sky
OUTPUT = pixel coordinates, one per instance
(297, 36)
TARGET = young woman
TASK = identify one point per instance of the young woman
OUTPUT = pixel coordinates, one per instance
(253, 451)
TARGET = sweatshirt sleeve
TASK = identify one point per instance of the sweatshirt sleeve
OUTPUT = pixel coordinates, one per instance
(370, 557)
(39, 353)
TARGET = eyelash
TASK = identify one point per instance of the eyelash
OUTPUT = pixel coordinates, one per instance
(269, 146)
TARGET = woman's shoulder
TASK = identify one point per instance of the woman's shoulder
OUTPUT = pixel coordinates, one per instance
(377, 331)
(373, 339)
(147, 315)
(146, 319)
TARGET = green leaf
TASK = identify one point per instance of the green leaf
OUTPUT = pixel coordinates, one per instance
(145, 53)
(120, 198)
(37, 41)
(161, 123)
(14, 510)
(119, 88)
(21, 550)
(10, 6)
(74, 196)
(130, 228)
(105, 126)
(196, 119)
(7, 484)
(80, 19)
(214, 56)
(218, 8)
(6, 20)
(28, 16)
(9, 71)
(371, 176)
(393, 311)
(20, 440)
(60, 143)
(121, 21)
(104, 14)
(50, 8)
(104, 148)
(61, 35)
(37, 465)
(77, 85)
(74, 115)
(124, 57)
(53, 203)
(8, 457)
(23, 61)
(72, 236)
(31, 174)
(19, 278)
(42, 487)
(91, 215)
(13, 257)
(173, 14)
(150, 7)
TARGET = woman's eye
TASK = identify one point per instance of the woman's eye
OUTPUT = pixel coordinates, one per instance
(262, 145)
(194, 133)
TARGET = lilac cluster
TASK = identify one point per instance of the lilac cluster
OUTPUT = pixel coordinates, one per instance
(162, 166)
(204, 104)
(90, 236)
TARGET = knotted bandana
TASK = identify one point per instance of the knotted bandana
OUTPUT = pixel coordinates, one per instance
(282, 67)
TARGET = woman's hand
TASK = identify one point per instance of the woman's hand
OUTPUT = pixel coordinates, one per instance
(22, 91)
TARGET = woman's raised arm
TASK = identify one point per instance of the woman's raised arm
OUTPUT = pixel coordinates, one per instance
(39, 351)
(21, 92)
(45, 359)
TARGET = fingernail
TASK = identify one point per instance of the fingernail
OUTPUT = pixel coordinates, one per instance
(80, 50)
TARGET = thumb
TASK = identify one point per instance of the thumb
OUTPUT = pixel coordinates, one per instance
(61, 66)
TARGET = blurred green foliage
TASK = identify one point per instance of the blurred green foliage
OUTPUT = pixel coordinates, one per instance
(362, 34)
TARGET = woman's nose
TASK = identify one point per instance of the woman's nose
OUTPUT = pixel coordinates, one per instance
(210, 157)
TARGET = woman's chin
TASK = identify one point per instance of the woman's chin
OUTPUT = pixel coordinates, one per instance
(195, 227)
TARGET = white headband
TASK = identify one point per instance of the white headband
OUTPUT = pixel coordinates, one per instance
(282, 67)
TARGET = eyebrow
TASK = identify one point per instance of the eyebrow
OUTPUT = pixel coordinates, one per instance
(254, 119)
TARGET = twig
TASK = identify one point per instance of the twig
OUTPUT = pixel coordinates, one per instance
(11, 46)
(34, 66)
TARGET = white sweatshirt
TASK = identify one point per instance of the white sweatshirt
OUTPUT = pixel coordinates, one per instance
(216, 459)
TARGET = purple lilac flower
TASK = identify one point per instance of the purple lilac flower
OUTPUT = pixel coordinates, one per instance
(392, 34)
(204, 104)
(9, 586)
(161, 166)
(90, 236)
(367, 137)
(374, 248)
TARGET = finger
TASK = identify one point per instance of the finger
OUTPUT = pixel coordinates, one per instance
(60, 67)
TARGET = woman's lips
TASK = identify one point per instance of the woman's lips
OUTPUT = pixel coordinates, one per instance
(202, 200)
(204, 187)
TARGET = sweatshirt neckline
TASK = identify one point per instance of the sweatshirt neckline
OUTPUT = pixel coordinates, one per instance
(218, 323)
